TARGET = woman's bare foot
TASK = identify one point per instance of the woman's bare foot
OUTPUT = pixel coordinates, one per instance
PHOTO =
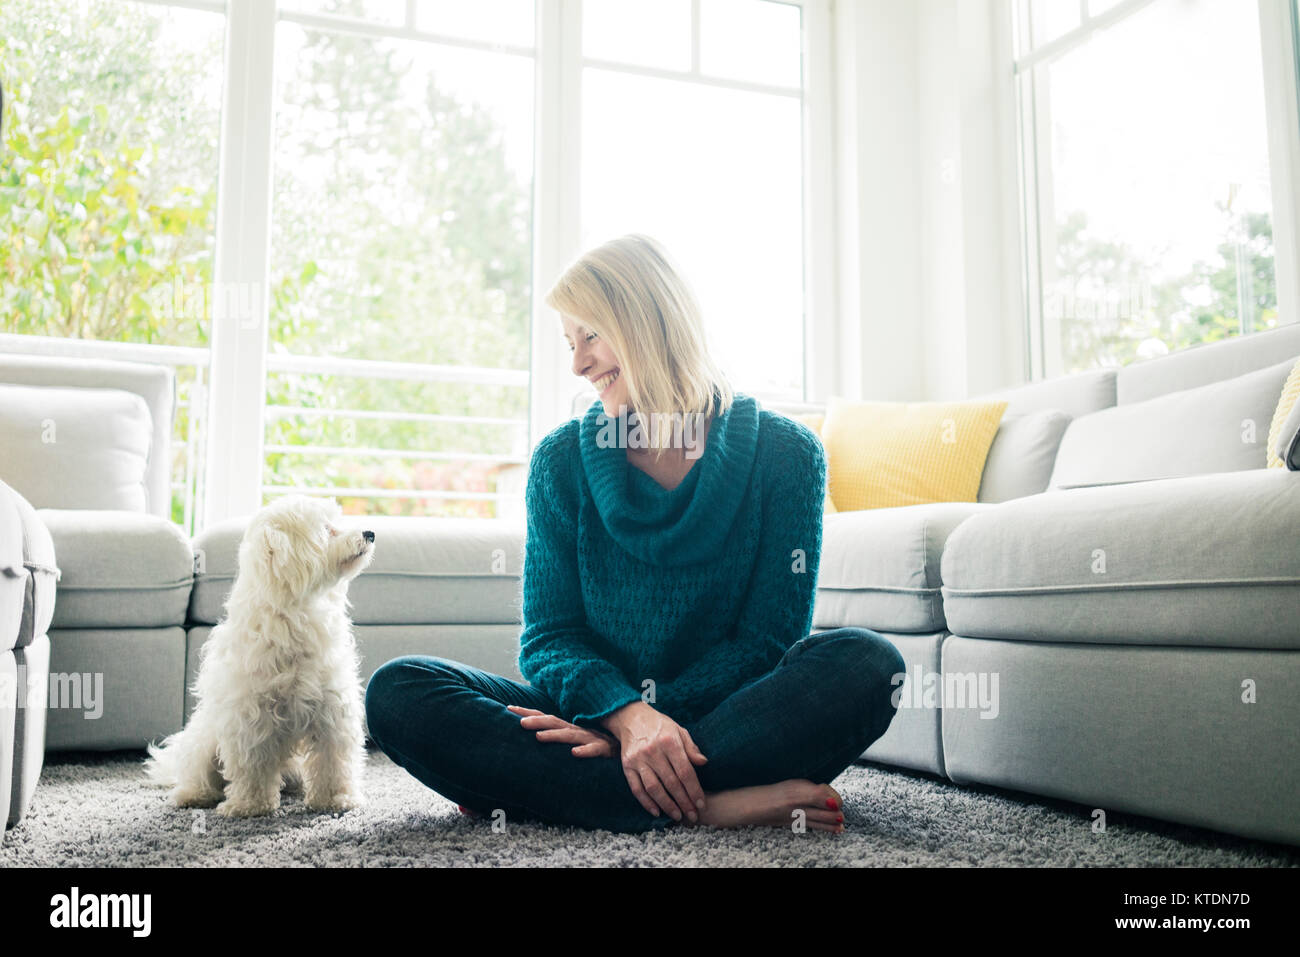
(775, 805)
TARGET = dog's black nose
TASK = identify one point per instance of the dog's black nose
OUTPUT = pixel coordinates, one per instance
(368, 536)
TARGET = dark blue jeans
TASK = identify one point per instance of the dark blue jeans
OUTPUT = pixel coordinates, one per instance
(825, 702)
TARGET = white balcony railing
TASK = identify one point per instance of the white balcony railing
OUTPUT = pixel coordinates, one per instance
(511, 467)
(189, 445)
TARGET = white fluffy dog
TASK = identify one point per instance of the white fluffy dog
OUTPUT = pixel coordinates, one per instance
(279, 699)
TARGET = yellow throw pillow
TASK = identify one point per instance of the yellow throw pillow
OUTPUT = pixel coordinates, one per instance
(814, 422)
(1290, 393)
(885, 454)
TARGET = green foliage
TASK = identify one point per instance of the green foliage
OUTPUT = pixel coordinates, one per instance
(96, 212)
(399, 233)
(1112, 304)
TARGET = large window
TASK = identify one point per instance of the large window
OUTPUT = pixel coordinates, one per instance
(378, 341)
(1149, 184)
(400, 253)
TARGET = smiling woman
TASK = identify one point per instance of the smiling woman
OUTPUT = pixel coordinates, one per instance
(666, 622)
(617, 300)
(671, 402)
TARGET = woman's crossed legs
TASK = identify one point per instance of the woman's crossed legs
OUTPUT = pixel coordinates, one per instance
(795, 728)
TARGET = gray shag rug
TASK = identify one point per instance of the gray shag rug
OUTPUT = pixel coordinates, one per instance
(95, 810)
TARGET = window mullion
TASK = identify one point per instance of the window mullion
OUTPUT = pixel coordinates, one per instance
(695, 36)
(237, 390)
(1031, 211)
(556, 203)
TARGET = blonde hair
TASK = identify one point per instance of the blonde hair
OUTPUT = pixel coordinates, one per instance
(630, 292)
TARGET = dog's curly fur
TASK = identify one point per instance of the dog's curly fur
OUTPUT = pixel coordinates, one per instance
(279, 699)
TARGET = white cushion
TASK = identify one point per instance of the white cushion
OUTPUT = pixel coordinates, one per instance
(119, 569)
(1074, 395)
(1220, 427)
(75, 448)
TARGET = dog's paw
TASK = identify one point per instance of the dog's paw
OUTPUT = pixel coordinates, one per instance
(338, 802)
(194, 797)
(230, 808)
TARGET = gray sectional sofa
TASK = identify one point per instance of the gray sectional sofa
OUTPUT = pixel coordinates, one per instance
(1114, 621)
(1140, 610)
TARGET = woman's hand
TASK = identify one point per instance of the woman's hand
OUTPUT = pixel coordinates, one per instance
(587, 742)
(659, 760)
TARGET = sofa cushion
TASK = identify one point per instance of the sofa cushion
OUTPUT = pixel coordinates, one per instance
(33, 662)
(425, 571)
(1075, 395)
(1220, 427)
(1187, 561)
(119, 569)
(8, 720)
(895, 454)
(1161, 732)
(13, 575)
(75, 448)
(1022, 455)
(115, 688)
(42, 573)
(880, 567)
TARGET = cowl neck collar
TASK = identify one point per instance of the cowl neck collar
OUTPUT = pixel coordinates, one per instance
(682, 525)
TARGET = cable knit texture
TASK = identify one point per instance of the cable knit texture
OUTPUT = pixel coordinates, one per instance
(699, 589)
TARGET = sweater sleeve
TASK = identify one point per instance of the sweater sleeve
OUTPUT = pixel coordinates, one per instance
(778, 606)
(559, 653)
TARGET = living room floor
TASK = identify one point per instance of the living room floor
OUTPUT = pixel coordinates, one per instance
(93, 809)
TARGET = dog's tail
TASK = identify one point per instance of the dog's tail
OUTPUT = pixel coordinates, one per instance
(159, 768)
(162, 767)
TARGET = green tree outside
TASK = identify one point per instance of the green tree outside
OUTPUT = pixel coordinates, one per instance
(1108, 305)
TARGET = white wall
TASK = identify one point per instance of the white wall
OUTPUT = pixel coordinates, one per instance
(929, 268)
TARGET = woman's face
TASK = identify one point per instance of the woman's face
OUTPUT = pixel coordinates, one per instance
(595, 362)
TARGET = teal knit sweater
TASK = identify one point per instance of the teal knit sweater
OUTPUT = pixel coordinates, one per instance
(699, 589)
